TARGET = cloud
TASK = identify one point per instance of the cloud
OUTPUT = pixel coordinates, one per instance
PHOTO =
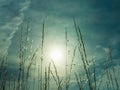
(99, 25)
(12, 15)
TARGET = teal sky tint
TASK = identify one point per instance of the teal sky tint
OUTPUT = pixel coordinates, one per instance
(99, 21)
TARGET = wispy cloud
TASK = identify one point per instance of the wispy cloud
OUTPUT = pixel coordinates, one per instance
(12, 15)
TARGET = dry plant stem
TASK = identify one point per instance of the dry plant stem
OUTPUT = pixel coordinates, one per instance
(54, 78)
(107, 72)
(31, 61)
(14, 77)
(41, 75)
(79, 81)
(25, 55)
(111, 78)
(80, 88)
(45, 79)
(71, 66)
(100, 83)
(3, 85)
(66, 58)
(38, 77)
(49, 76)
(80, 40)
(109, 75)
(94, 77)
(113, 69)
(83, 54)
(82, 84)
(23, 52)
(57, 79)
(83, 46)
(42, 53)
(27, 33)
(115, 78)
(87, 72)
(26, 41)
(56, 71)
(21, 59)
(2, 66)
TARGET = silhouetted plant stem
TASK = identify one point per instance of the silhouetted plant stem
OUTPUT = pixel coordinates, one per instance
(77, 81)
(38, 77)
(83, 54)
(46, 81)
(94, 72)
(71, 67)
(14, 82)
(66, 59)
(3, 85)
(113, 69)
(57, 79)
(49, 76)
(42, 52)
(21, 59)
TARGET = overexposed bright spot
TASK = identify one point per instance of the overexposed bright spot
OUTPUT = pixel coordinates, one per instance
(56, 54)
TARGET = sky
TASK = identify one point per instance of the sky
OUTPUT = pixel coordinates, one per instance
(99, 21)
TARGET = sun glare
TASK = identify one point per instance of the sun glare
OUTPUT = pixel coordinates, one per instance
(56, 54)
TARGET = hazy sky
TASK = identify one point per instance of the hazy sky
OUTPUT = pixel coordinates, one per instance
(99, 21)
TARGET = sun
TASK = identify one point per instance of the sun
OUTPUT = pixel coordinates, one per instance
(56, 54)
